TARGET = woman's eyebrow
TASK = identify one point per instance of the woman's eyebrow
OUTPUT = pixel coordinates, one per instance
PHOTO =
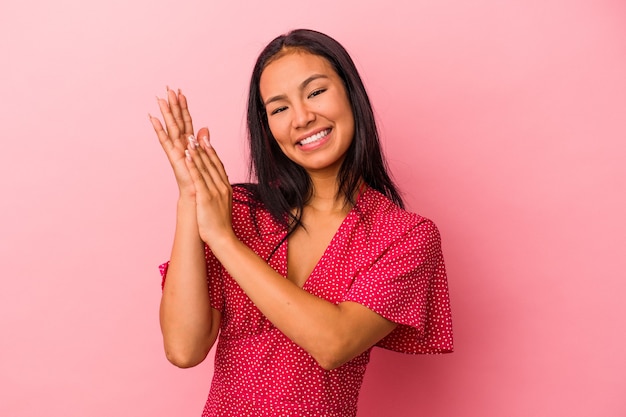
(303, 85)
(313, 77)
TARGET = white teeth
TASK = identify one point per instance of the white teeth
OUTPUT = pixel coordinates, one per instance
(315, 137)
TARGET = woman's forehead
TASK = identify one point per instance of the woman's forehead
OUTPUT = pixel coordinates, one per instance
(293, 68)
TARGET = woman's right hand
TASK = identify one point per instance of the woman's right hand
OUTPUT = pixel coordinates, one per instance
(173, 139)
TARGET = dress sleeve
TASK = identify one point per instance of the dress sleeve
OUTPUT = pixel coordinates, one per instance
(407, 284)
(215, 278)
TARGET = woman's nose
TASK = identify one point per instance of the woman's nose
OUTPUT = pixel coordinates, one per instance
(302, 116)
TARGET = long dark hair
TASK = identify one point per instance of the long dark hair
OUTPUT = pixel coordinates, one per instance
(283, 185)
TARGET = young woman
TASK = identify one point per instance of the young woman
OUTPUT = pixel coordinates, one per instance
(301, 273)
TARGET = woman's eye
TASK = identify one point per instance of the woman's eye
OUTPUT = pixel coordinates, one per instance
(317, 92)
(278, 110)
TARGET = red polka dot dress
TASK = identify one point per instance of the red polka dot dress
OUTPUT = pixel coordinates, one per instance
(382, 257)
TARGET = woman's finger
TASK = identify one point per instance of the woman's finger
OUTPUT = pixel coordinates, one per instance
(213, 162)
(170, 123)
(188, 125)
(213, 175)
(213, 158)
(173, 152)
(162, 135)
(204, 176)
(172, 100)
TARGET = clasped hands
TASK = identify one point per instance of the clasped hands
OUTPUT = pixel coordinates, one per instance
(199, 172)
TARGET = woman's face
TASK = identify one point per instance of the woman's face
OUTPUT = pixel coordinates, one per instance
(308, 111)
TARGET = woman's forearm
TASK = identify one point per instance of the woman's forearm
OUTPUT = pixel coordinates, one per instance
(188, 323)
(332, 334)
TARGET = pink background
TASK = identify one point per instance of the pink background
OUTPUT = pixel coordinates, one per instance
(503, 121)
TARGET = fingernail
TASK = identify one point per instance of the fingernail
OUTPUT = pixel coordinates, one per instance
(205, 139)
(192, 141)
(187, 155)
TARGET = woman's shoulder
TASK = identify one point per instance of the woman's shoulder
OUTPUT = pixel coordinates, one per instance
(381, 213)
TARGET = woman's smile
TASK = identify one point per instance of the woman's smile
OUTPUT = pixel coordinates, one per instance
(314, 140)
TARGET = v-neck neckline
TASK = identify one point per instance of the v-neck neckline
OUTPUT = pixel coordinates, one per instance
(351, 214)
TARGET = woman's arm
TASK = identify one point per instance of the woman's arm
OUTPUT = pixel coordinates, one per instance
(332, 334)
(188, 323)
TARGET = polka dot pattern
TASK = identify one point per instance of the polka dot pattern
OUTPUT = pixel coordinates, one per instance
(382, 257)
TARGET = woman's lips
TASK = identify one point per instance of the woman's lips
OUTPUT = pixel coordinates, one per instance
(314, 138)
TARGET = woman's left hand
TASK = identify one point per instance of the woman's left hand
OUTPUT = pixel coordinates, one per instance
(214, 195)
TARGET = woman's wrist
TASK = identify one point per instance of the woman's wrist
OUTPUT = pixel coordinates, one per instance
(224, 245)
(186, 215)
(186, 202)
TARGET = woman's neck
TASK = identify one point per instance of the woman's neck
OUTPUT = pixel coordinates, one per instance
(325, 195)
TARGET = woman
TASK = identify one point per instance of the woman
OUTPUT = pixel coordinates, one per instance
(303, 272)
